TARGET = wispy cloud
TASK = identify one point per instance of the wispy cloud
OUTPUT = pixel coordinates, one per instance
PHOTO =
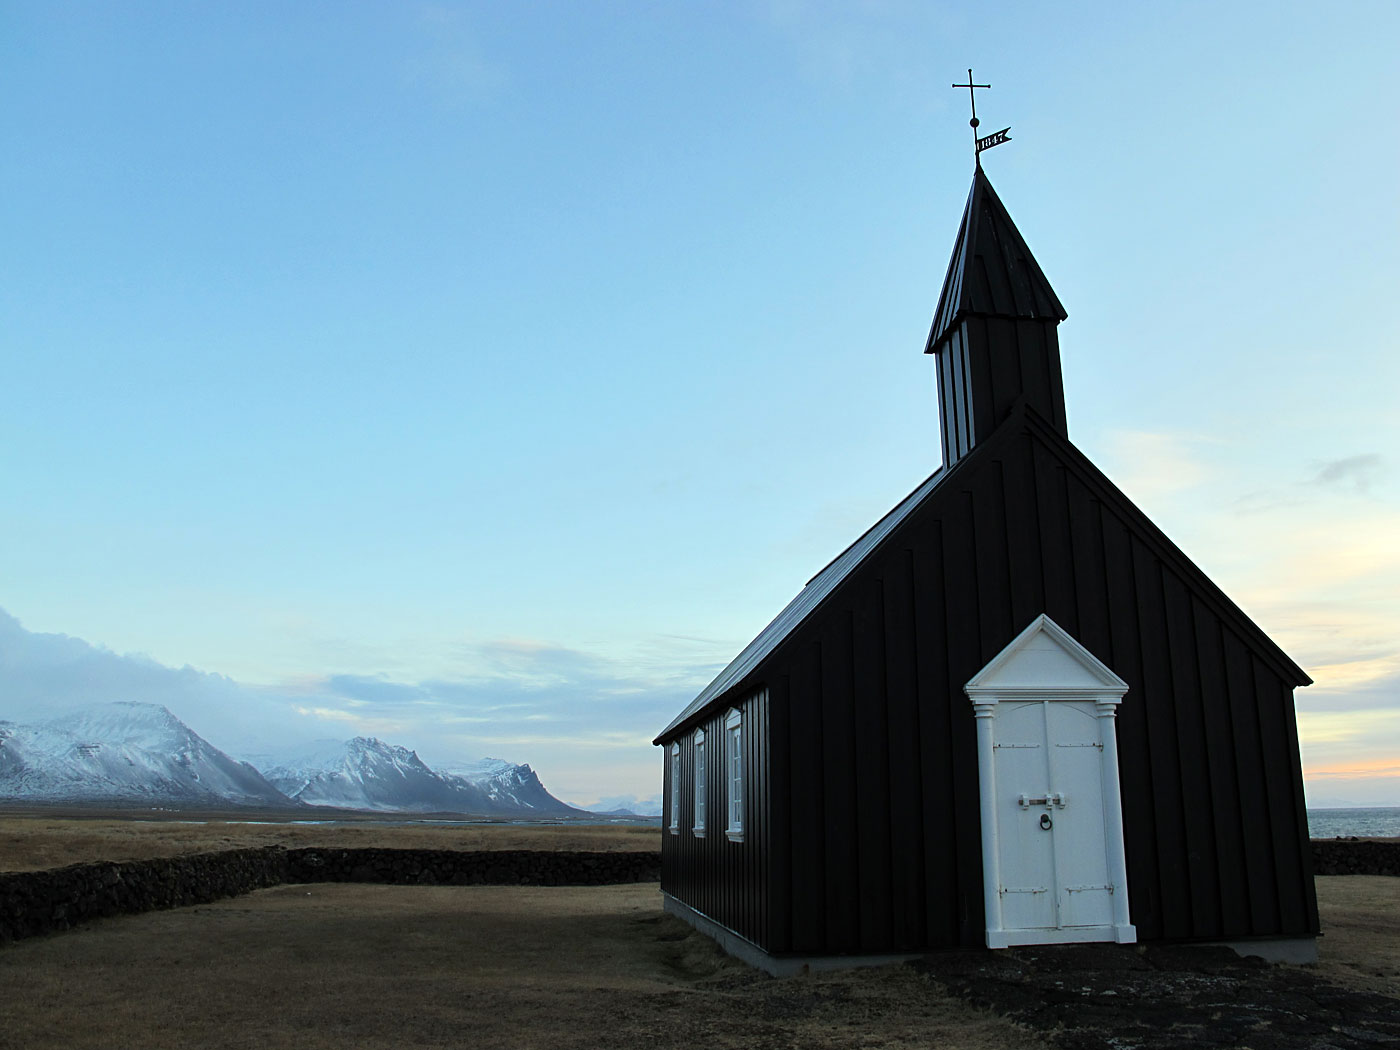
(1359, 473)
(1386, 768)
(1150, 465)
(376, 689)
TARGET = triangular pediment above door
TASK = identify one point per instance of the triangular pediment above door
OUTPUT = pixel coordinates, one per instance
(1044, 660)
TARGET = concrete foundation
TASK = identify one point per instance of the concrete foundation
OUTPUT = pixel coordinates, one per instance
(778, 965)
(1301, 951)
(1296, 950)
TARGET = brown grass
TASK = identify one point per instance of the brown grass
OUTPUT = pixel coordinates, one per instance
(325, 966)
(334, 966)
(31, 843)
(1360, 942)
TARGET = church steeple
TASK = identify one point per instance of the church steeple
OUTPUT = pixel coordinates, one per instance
(994, 332)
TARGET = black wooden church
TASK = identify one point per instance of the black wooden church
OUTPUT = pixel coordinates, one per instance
(1012, 712)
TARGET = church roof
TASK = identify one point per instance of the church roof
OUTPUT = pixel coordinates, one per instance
(992, 272)
(818, 587)
(740, 674)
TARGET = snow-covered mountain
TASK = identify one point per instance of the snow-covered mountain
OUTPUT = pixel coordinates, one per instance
(626, 806)
(125, 751)
(366, 773)
(141, 753)
(508, 785)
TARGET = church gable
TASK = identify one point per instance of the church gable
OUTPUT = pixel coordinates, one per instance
(1043, 660)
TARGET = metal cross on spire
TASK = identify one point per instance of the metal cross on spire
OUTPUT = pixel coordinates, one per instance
(996, 138)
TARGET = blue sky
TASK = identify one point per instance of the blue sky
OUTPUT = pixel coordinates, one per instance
(483, 376)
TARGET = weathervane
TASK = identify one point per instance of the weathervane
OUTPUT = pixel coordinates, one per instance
(996, 138)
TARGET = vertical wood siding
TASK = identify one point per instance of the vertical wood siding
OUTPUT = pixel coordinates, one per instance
(870, 839)
(1004, 361)
(727, 881)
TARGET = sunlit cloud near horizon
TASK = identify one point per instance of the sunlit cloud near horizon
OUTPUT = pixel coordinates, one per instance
(1310, 551)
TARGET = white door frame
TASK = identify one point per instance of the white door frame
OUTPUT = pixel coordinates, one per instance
(1033, 667)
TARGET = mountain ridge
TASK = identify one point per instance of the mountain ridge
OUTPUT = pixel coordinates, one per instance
(124, 751)
(134, 752)
(369, 773)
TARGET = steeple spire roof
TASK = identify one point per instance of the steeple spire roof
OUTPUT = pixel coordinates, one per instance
(992, 273)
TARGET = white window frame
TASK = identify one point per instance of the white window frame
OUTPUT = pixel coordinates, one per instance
(698, 827)
(734, 773)
(675, 788)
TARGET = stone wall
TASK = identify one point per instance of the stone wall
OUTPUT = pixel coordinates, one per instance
(35, 902)
(1355, 857)
(426, 867)
(38, 902)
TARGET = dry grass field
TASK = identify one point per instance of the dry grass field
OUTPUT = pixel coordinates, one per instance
(321, 966)
(31, 843)
(1360, 943)
(334, 966)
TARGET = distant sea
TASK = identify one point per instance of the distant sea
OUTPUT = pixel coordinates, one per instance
(1363, 823)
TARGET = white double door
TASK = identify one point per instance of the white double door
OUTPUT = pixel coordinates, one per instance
(1051, 835)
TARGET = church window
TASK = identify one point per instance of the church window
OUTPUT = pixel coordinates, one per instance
(699, 826)
(675, 789)
(734, 773)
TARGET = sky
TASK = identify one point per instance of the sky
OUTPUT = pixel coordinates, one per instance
(483, 376)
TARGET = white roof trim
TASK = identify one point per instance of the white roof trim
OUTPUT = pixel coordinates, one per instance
(1083, 674)
(820, 585)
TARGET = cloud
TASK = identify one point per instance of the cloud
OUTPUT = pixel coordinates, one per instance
(361, 725)
(1362, 675)
(1384, 768)
(1153, 465)
(1359, 473)
(1264, 501)
(41, 674)
(535, 663)
(375, 689)
(583, 720)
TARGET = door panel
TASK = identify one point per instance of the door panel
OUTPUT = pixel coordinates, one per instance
(1054, 866)
(1027, 852)
(1076, 772)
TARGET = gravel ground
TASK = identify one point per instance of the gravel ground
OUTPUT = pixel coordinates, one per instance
(1125, 997)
